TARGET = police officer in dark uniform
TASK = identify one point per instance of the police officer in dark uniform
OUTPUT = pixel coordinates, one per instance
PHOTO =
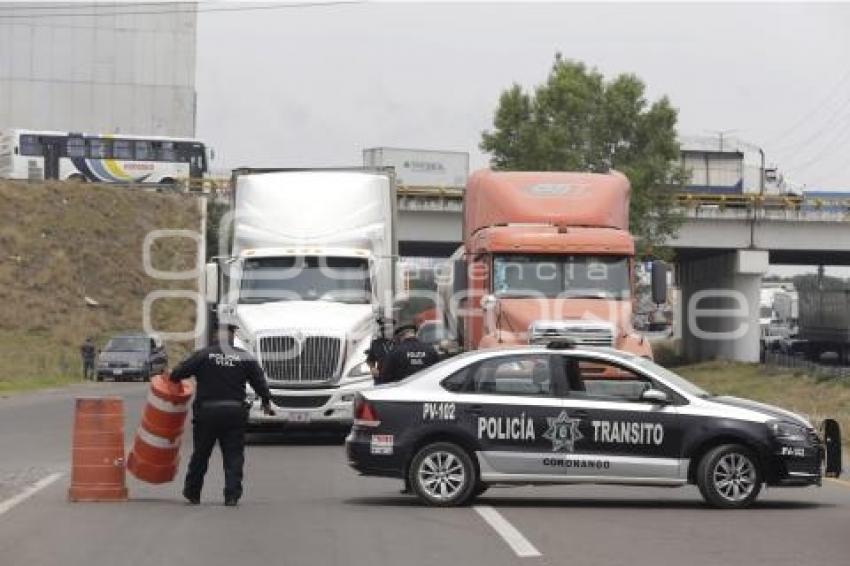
(407, 357)
(88, 352)
(379, 348)
(220, 411)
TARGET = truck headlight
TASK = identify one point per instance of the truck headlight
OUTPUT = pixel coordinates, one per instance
(787, 432)
(360, 370)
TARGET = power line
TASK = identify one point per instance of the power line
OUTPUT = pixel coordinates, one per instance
(88, 5)
(196, 10)
(833, 143)
(821, 175)
(814, 110)
(837, 116)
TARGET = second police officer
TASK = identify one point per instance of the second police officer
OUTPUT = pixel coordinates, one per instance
(407, 357)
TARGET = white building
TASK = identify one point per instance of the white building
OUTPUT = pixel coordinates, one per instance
(102, 68)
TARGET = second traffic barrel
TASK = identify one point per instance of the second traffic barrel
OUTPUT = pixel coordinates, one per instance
(97, 461)
(156, 449)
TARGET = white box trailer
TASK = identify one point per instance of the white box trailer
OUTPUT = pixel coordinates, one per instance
(312, 262)
(421, 167)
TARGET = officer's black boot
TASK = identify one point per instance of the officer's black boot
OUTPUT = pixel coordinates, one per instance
(191, 497)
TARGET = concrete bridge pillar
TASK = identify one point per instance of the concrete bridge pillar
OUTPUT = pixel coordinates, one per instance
(720, 305)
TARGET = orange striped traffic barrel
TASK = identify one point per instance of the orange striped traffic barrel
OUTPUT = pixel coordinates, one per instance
(156, 448)
(97, 459)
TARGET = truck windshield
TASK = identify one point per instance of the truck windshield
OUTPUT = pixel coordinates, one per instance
(561, 276)
(338, 279)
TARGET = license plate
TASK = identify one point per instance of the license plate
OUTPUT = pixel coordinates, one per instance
(117, 371)
(297, 417)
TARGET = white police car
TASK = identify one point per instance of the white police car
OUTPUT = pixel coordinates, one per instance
(558, 414)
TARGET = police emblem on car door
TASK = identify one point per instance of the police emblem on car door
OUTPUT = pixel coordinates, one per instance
(622, 432)
(508, 401)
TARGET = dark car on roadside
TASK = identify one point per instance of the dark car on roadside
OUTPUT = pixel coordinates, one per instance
(135, 357)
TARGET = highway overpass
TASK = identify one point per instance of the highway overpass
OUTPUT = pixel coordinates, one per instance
(725, 244)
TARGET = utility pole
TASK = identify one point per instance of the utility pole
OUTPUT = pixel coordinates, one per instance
(721, 134)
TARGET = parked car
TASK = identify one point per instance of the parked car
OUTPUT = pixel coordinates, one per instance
(131, 356)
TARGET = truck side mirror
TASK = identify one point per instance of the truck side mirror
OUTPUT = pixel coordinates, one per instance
(659, 282)
(211, 283)
(460, 277)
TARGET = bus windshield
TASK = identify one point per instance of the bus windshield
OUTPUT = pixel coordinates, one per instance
(337, 279)
(561, 276)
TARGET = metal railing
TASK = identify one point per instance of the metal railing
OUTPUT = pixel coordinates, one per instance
(745, 205)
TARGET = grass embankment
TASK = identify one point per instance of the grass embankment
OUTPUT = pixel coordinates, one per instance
(61, 243)
(795, 391)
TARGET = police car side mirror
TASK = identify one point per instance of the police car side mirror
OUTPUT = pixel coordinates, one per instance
(655, 396)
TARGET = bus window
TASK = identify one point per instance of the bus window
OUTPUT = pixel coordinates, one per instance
(122, 149)
(76, 147)
(166, 152)
(99, 148)
(31, 145)
(143, 151)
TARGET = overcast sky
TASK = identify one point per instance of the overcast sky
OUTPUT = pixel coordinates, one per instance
(314, 86)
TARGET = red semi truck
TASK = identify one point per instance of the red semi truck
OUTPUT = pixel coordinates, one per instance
(545, 256)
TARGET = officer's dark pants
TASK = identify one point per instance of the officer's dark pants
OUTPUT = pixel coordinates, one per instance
(88, 369)
(224, 424)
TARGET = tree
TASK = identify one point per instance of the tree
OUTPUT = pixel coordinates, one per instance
(579, 121)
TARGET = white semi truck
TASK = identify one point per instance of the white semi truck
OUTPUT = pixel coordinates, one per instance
(312, 265)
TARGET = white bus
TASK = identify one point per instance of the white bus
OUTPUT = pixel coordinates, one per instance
(109, 158)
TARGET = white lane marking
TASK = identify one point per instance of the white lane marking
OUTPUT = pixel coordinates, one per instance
(8, 504)
(518, 543)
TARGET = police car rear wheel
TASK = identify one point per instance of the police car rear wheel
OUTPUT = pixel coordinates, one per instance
(729, 477)
(442, 475)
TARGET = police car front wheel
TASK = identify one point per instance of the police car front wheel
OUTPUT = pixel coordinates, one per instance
(443, 475)
(729, 477)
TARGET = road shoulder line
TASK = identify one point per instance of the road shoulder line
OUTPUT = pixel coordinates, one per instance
(9, 504)
(515, 539)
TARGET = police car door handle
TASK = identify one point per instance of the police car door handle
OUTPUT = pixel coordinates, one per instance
(475, 409)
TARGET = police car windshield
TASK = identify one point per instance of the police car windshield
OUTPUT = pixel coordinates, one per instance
(670, 377)
(564, 276)
(336, 279)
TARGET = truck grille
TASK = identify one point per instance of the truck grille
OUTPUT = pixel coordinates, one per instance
(579, 333)
(303, 402)
(304, 359)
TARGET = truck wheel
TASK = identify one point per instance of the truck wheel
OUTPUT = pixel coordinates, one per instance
(729, 477)
(443, 475)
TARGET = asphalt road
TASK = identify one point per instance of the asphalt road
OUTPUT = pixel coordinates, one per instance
(304, 506)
